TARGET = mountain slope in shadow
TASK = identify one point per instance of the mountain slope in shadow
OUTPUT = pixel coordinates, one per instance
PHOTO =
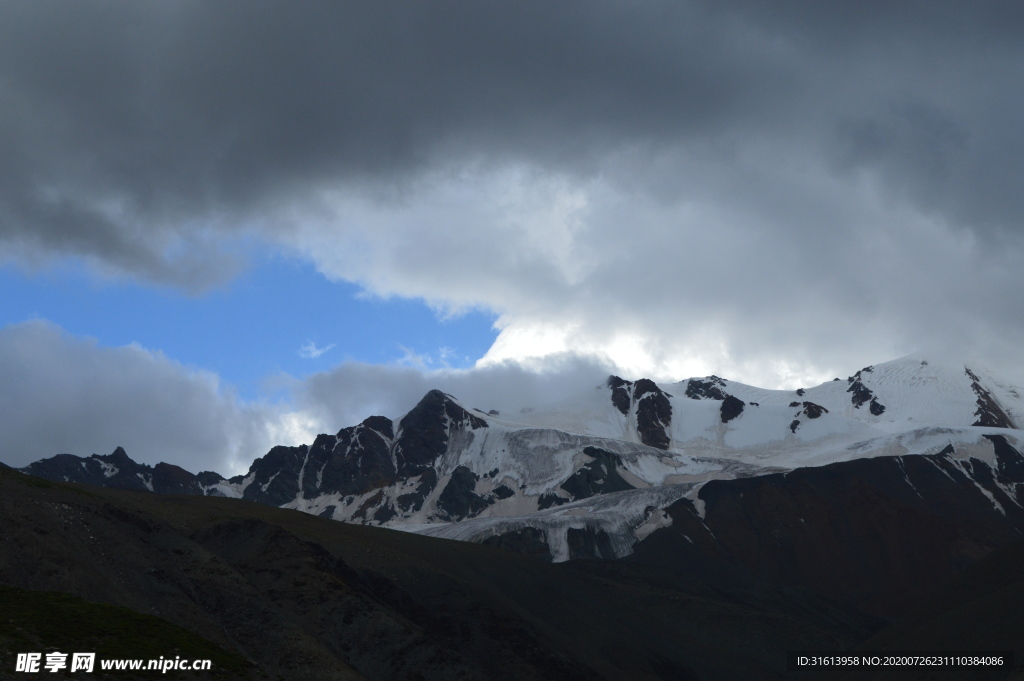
(303, 597)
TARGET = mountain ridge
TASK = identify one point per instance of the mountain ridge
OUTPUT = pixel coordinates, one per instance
(595, 475)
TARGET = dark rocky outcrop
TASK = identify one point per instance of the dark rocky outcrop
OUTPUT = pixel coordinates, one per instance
(812, 410)
(653, 413)
(170, 479)
(711, 389)
(352, 462)
(423, 432)
(382, 425)
(458, 499)
(413, 501)
(989, 412)
(361, 458)
(731, 408)
(276, 475)
(598, 476)
(808, 409)
(502, 492)
(119, 471)
(384, 513)
(620, 393)
(861, 394)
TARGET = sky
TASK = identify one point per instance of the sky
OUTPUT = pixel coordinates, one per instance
(230, 225)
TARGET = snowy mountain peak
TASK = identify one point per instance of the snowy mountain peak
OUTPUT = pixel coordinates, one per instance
(592, 468)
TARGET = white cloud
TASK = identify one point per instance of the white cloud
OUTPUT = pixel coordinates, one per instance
(771, 269)
(309, 350)
(62, 394)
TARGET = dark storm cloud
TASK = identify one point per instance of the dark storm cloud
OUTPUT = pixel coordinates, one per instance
(138, 134)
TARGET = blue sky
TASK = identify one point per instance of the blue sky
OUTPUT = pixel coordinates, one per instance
(254, 327)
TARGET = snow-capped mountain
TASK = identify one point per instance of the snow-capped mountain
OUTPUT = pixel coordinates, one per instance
(593, 475)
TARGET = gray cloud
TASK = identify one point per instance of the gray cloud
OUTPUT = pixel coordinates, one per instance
(182, 110)
(733, 183)
(350, 392)
(61, 394)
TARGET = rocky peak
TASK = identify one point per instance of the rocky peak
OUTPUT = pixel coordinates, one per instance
(423, 433)
(382, 425)
(653, 413)
(989, 412)
(620, 393)
(118, 457)
(709, 388)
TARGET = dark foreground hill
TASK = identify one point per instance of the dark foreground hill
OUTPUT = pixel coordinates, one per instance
(982, 609)
(303, 597)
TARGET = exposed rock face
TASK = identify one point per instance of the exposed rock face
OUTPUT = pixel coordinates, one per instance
(653, 413)
(876, 533)
(459, 500)
(620, 393)
(362, 458)
(170, 479)
(810, 410)
(862, 394)
(731, 408)
(423, 432)
(119, 471)
(502, 492)
(276, 475)
(355, 461)
(989, 411)
(599, 476)
(413, 501)
(710, 389)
